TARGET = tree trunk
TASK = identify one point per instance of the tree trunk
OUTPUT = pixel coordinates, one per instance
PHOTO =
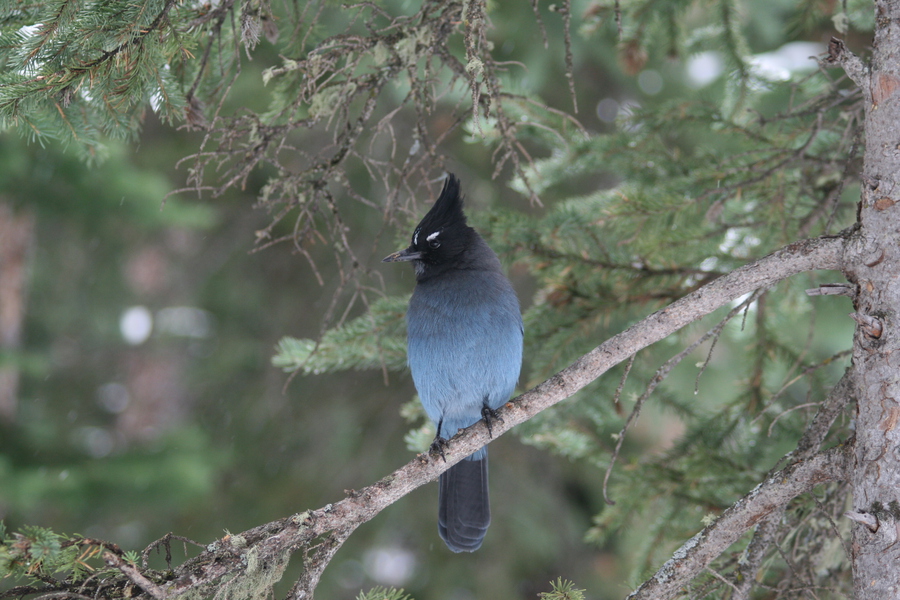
(16, 241)
(871, 262)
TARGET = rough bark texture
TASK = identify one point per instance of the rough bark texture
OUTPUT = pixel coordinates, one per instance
(871, 262)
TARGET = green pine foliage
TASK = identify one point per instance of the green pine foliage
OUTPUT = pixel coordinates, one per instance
(382, 593)
(85, 72)
(702, 184)
(39, 559)
(683, 188)
(562, 589)
(37, 554)
(374, 340)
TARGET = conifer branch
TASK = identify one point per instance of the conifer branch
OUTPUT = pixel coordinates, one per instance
(321, 532)
(813, 437)
(157, 22)
(773, 494)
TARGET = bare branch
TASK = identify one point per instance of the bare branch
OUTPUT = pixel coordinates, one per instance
(869, 520)
(767, 530)
(855, 68)
(773, 494)
(832, 289)
(132, 573)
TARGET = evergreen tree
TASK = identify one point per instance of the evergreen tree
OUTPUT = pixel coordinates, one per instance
(682, 227)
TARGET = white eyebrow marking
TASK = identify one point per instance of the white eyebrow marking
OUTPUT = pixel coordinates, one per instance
(432, 236)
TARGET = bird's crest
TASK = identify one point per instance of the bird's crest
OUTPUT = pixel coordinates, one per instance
(447, 211)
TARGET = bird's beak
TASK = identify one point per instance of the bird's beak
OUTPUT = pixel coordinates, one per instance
(403, 256)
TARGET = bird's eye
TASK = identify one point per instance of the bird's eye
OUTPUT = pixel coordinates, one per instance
(434, 244)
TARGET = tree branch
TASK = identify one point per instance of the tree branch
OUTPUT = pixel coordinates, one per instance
(134, 575)
(321, 532)
(773, 494)
(853, 65)
(767, 531)
(250, 563)
(254, 560)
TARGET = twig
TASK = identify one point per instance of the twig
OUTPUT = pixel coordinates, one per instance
(845, 544)
(867, 519)
(540, 22)
(715, 574)
(832, 289)
(660, 375)
(766, 531)
(806, 371)
(132, 573)
(62, 596)
(617, 396)
(786, 411)
(166, 541)
(779, 489)
(566, 11)
(853, 66)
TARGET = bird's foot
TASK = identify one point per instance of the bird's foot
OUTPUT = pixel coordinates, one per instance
(438, 445)
(490, 415)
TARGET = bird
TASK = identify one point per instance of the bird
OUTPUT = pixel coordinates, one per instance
(464, 349)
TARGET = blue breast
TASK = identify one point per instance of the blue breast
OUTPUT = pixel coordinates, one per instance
(465, 345)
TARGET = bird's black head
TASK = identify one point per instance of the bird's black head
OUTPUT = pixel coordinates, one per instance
(442, 235)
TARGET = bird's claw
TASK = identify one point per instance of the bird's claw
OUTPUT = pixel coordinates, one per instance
(438, 445)
(490, 415)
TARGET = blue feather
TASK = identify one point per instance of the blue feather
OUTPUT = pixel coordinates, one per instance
(465, 346)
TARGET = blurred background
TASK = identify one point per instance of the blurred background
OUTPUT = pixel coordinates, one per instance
(137, 329)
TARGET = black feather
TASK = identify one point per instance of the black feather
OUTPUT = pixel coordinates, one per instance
(442, 235)
(464, 510)
(447, 211)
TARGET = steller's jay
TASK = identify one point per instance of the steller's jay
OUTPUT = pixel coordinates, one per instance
(464, 338)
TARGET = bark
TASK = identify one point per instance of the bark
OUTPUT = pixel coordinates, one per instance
(871, 261)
